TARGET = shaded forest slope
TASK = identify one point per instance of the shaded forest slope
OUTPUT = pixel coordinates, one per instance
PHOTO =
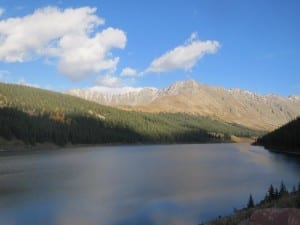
(35, 116)
(285, 138)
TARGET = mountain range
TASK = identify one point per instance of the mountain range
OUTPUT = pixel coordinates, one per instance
(262, 112)
(31, 115)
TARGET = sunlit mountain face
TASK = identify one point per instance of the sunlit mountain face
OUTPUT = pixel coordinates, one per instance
(231, 105)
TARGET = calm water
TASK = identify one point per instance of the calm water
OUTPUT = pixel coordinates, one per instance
(137, 185)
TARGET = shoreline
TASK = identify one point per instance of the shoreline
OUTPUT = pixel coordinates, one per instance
(283, 152)
(280, 150)
(17, 146)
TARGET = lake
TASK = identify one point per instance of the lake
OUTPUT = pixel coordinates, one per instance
(137, 185)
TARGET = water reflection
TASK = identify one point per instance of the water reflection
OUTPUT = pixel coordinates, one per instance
(175, 184)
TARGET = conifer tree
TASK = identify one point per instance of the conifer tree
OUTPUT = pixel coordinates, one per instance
(271, 193)
(282, 189)
(250, 203)
(276, 193)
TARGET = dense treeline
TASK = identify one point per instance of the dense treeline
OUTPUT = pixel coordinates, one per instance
(285, 138)
(82, 130)
(79, 129)
(34, 115)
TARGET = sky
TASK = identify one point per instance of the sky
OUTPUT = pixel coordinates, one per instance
(62, 45)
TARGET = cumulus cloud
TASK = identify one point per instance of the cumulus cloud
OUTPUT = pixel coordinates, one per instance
(70, 36)
(109, 81)
(184, 56)
(128, 72)
(80, 55)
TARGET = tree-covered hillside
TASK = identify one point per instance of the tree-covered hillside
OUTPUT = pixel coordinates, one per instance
(285, 138)
(35, 115)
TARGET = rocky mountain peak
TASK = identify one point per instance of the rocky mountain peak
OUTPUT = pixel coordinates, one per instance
(294, 98)
(189, 86)
(117, 96)
(231, 105)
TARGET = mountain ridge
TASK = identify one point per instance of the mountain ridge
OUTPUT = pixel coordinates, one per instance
(234, 105)
(35, 115)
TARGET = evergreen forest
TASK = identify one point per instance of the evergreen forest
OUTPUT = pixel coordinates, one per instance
(34, 115)
(285, 138)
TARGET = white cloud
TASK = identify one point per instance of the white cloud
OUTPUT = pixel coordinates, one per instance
(71, 36)
(109, 81)
(2, 10)
(81, 55)
(184, 56)
(128, 72)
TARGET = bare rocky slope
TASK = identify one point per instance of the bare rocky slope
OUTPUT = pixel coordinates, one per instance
(249, 109)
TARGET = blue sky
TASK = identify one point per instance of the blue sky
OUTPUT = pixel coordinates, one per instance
(61, 45)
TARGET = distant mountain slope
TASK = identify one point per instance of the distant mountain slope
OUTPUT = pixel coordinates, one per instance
(35, 115)
(285, 138)
(122, 96)
(264, 112)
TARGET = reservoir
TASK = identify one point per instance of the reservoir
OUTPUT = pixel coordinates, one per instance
(137, 185)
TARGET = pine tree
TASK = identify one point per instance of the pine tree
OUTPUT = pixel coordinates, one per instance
(276, 193)
(271, 193)
(282, 189)
(250, 203)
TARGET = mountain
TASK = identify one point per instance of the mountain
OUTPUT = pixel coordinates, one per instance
(285, 139)
(125, 96)
(265, 112)
(34, 115)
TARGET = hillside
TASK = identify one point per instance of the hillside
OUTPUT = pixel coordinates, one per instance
(279, 207)
(37, 116)
(285, 138)
(265, 112)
